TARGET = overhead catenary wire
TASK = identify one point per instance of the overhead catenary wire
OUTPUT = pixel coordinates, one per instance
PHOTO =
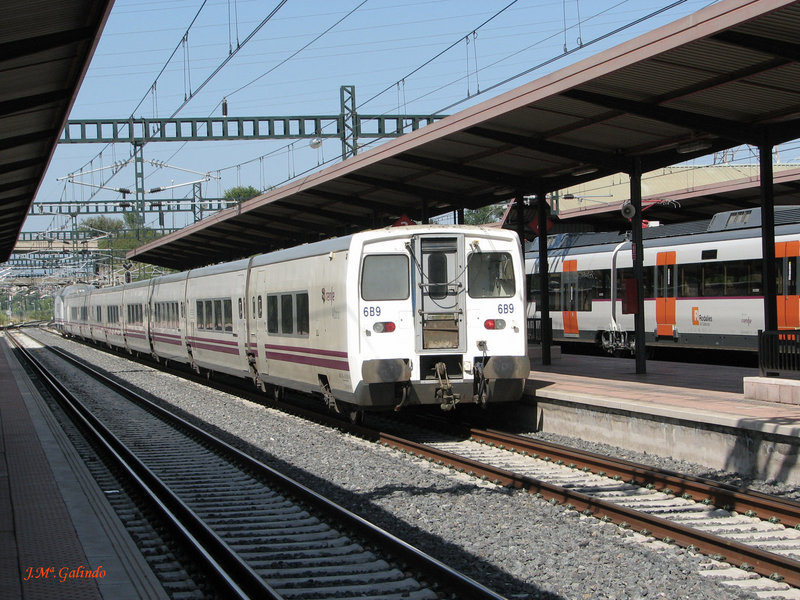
(400, 84)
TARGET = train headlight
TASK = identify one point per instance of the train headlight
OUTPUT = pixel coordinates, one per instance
(384, 327)
(494, 324)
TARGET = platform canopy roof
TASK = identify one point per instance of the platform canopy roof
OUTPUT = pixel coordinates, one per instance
(45, 49)
(726, 75)
(695, 203)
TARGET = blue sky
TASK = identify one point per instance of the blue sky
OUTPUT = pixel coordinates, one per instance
(297, 61)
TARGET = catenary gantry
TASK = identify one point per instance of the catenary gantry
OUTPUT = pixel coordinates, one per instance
(45, 48)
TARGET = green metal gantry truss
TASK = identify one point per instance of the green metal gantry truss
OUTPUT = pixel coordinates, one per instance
(349, 126)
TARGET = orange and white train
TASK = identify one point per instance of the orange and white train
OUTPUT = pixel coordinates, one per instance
(702, 283)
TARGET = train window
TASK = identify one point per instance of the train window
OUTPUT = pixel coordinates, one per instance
(209, 313)
(725, 278)
(437, 275)
(737, 279)
(592, 285)
(385, 277)
(99, 313)
(201, 320)
(490, 275)
(217, 315)
(554, 282)
(287, 316)
(260, 308)
(135, 314)
(689, 280)
(301, 304)
(713, 282)
(227, 314)
(241, 309)
(533, 287)
(272, 314)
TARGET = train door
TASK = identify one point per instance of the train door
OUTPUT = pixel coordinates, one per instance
(258, 328)
(439, 289)
(786, 254)
(569, 283)
(666, 293)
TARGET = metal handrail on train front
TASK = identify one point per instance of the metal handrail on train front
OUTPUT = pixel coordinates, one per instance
(778, 352)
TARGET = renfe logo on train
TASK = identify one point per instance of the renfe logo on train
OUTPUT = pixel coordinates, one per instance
(700, 319)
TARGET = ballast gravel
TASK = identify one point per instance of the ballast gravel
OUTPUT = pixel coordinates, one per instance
(520, 546)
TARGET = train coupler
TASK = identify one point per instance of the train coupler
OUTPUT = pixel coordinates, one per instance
(444, 390)
(481, 395)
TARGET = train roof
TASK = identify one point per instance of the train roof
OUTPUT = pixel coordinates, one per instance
(732, 224)
(75, 288)
(317, 249)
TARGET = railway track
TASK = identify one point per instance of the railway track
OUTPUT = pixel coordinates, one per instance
(253, 531)
(746, 531)
(756, 533)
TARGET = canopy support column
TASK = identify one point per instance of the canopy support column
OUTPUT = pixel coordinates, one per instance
(768, 237)
(638, 265)
(544, 279)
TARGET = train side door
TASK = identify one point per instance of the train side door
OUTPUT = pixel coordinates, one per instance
(666, 293)
(569, 283)
(786, 254)
(258, 329)
(439, 289)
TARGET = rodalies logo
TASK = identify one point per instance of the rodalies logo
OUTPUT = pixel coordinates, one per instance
(699, 318)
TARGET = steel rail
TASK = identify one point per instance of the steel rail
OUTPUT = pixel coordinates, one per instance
(225, 567)
(760, 561)
(450, 579)
(725, 496)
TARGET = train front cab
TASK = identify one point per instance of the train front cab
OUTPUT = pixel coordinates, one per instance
(441, 320)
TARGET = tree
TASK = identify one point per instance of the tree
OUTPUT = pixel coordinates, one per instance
(241, 193)
(101, 224)
(485, 214)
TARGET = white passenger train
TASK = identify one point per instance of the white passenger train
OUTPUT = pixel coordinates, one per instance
(386, 318)
(702, 283)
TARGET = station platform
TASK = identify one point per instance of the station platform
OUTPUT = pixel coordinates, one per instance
(59, 537)
(694, 412)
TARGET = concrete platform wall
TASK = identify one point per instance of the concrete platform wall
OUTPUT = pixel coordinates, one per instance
(744, 448)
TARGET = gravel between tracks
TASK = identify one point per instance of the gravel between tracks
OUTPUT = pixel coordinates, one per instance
(512, 542)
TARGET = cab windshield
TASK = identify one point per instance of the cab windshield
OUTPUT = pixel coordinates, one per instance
(385, 277)
(490, 275)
